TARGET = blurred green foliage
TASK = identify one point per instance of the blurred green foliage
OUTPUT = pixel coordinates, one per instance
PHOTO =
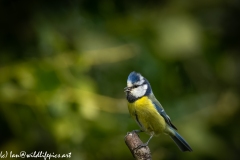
(64, 64)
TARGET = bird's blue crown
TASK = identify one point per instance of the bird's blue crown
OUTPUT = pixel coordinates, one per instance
(134, 77)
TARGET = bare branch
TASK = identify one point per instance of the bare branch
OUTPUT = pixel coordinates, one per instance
(132, 140)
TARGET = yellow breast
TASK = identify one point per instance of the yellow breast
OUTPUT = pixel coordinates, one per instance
(144, 112)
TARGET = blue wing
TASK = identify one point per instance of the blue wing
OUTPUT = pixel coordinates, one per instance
(161, 111)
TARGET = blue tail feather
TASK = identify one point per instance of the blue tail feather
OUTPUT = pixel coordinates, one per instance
(180, 142)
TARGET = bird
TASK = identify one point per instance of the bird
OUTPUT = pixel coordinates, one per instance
(149, 113)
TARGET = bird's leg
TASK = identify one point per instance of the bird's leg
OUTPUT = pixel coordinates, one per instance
(145, 144)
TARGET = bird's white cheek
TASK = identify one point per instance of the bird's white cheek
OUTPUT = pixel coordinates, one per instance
(138, 92)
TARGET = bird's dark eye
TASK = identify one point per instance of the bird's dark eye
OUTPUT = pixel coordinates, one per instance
(135, 86)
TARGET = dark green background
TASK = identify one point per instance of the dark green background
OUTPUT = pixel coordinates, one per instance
(64, 64)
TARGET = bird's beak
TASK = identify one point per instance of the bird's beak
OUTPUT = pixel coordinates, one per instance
(127, 89)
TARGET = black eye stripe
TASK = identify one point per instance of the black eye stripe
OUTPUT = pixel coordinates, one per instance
(135, 86)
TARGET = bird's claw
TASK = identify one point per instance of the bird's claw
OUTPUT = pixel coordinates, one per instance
(141, 145)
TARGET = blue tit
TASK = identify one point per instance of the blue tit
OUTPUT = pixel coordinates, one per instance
(148, 112)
